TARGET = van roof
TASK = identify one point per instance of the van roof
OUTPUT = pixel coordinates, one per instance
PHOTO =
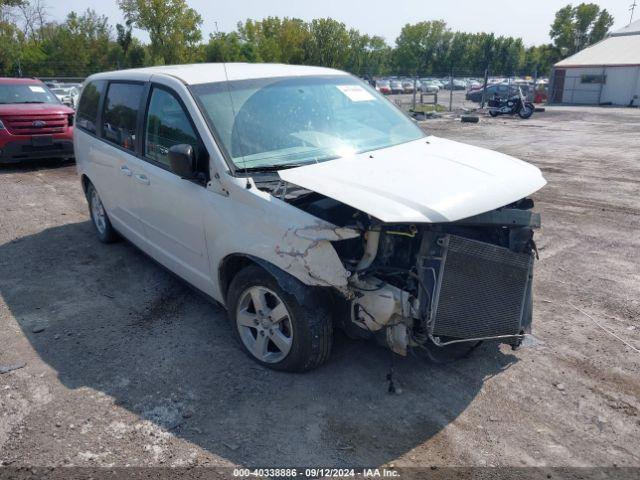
(198, 73)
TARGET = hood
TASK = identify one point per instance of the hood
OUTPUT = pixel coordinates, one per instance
(14, 109)
(429, 180)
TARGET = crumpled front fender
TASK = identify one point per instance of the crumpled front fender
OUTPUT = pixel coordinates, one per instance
(310, 248)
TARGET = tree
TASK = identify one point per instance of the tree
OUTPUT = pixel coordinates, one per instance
(229, 47)
(81, 45)
(327, 44)
(422, 48)
(540, 59)
(174, 28)
(124, 37)
(34, 17)
(10, 47)
(575, 28)
(275, 39)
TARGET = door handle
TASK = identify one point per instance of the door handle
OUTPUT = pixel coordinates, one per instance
(142, 178)
(125, 171)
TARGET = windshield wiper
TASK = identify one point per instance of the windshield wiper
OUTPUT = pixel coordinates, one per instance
(32, 101)
(271, 168)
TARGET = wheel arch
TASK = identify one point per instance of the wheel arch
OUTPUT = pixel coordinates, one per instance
(85, 181)
(232, 264)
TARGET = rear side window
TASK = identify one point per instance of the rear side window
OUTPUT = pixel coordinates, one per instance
(87, 114)
(167, 125)
(120, 114)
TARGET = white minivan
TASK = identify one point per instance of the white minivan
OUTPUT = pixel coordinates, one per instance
(302, 200)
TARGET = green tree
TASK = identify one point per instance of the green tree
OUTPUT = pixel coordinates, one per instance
(327, 44)
(540, 59)
(81, 45)
(124, 37)
(228, 47)
(575, 28)
(422, 48)
(276, 39)
(368, 56)
(173, 27)
(10, 49)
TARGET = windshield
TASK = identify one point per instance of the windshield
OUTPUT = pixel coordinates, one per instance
(276, 122)
(23, 93)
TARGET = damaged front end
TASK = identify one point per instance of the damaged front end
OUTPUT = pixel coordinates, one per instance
(422, 284)
(416, 285)
(446, 283)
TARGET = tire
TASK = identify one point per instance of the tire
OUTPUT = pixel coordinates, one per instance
(525, 112)
(469, 118)
(298, 341)
(493, 113)
(104, 229)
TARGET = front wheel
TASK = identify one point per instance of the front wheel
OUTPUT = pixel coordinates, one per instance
(493, 113)
(274, 328)
(526, 111)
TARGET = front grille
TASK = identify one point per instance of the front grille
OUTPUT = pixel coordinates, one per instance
(24, 124)
(481, 290)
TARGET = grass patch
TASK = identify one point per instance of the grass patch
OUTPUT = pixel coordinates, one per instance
(427, 108)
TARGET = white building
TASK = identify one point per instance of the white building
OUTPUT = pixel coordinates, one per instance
(606, 73)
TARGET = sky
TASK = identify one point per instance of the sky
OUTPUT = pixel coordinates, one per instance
(527, 19)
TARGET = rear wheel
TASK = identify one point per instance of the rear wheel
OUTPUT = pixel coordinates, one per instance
(99, 217)
(493, 113)
(273, 327)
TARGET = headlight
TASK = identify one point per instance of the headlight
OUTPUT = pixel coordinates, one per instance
(71, 119)
(1, 125)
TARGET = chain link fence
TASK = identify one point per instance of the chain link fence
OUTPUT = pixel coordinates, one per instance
(458, 91)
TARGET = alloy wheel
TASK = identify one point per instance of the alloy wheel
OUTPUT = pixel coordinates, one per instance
(264, 324)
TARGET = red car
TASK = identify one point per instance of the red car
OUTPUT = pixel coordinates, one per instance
(33, 122)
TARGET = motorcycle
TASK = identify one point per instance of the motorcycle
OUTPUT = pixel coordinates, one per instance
(511, 106)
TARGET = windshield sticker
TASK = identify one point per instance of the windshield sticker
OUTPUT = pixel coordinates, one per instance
(355, 93)
(35, 88)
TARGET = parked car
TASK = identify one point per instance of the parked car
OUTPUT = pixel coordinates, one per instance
(473, 85)
(64, 95)
(396, 86)
(427, 86)
(456, 85)
(407, 86)
(383, 86)
(74, 93)
(344, 215)
(33, 122)
(503, 90)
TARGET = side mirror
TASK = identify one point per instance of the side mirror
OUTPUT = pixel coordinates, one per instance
(182, 160)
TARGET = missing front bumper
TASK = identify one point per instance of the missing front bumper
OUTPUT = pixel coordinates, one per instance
(478, 291)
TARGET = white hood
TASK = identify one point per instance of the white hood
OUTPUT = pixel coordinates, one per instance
(429, 180)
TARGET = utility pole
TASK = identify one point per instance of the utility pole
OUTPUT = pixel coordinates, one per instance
(632, 8)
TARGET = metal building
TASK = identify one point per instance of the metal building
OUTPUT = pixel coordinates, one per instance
(606, 73)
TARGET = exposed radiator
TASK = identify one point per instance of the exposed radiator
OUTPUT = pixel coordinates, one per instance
(480, 290)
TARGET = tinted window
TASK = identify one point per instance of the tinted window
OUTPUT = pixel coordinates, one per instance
(87, 114)
(167, 125)
(120, 114)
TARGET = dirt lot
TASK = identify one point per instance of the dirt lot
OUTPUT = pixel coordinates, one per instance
(125, 365)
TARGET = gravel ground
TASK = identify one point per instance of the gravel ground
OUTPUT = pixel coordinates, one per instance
(123, 365)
